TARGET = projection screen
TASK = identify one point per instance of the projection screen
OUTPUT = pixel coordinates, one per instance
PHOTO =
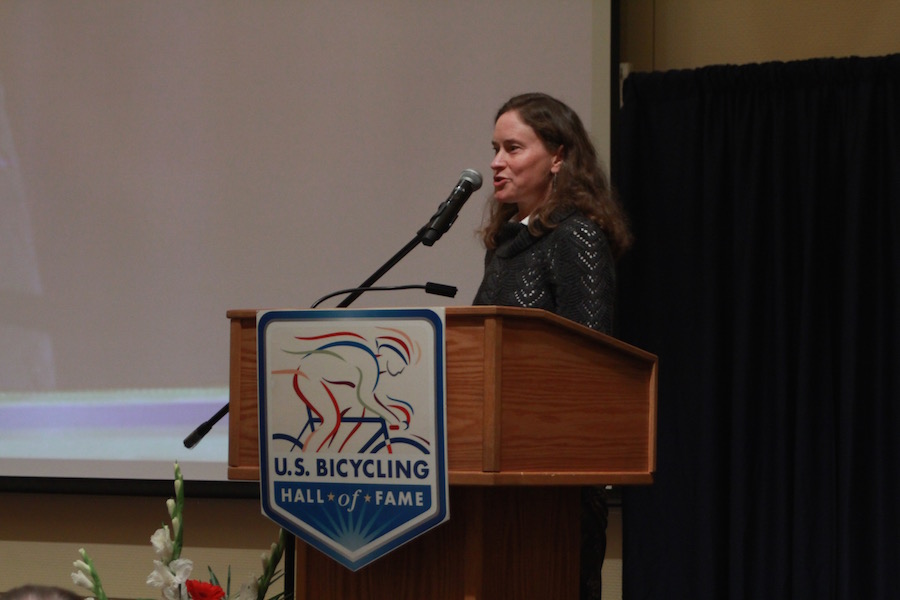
(162, 162)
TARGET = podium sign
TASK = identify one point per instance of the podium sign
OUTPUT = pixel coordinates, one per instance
(352, 427)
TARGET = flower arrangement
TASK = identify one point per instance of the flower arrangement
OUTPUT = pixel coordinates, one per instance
(171, 573)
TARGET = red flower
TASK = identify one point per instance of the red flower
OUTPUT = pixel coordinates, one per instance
(200, 590)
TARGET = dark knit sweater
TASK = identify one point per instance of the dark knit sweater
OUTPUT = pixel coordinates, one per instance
(569, 271)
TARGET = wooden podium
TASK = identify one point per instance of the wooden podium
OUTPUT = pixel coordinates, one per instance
(537, 406)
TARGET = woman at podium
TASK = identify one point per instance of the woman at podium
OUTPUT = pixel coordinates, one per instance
(553, 234)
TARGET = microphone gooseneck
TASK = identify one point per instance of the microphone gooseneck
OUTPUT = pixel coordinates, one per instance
(440, 222)
(469, 182)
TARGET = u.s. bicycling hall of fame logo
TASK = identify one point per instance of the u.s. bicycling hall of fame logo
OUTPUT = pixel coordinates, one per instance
(352, 425)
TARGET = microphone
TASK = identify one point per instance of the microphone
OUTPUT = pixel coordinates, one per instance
(438, 289)
(198, 434)
(469, 181)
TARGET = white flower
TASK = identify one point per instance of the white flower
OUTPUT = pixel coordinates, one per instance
(267, 556)
(82, 580)
(82, 566)
(162, 543)
(170, 505)
(170, 577)
(82, 576)
(175, 573)
(250, 590)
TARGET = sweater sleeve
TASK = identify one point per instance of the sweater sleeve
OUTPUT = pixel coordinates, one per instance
(583, 275)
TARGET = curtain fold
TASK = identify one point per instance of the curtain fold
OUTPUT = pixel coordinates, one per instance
(765, 201)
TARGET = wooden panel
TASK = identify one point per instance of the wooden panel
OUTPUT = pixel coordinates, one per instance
(532, 542)
(567, 402)
(492, 415)
(527, 549)
(465, 374)
(243, 409)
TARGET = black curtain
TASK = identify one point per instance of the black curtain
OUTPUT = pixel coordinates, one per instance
(765, 201)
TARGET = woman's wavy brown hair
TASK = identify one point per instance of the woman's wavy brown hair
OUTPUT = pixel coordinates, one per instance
(581, 182)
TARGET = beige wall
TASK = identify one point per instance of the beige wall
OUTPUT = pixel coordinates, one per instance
(685, 34)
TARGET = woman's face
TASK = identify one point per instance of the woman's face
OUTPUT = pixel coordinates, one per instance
(523, 168)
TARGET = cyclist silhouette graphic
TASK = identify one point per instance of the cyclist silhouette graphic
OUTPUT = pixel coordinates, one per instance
(344, 381)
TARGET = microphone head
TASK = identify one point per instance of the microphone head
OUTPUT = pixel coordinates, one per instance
(473, 177)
